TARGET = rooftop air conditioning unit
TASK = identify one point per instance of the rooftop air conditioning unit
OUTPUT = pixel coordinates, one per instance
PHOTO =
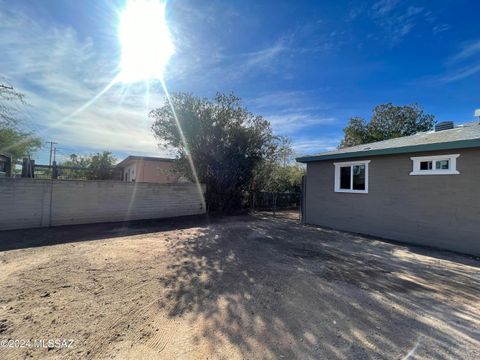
(444, 125)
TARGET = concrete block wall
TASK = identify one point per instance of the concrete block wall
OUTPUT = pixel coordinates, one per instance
(29, 203)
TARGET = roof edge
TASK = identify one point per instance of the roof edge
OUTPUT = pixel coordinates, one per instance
(147, 158)
(398, 150)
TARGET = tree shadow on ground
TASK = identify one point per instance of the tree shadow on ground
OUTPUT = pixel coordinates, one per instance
(271, 288)
(30, 238)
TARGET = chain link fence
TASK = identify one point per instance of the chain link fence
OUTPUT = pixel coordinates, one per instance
(275, 201)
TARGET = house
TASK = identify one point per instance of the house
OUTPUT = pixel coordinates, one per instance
(147, 169)
(421, 189)
(5, 165)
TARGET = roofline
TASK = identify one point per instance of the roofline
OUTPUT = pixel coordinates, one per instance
(472, 143)
(150, 158)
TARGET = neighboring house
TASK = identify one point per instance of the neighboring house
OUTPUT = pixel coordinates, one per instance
(5, 165)
(421, 189)
(147, 169)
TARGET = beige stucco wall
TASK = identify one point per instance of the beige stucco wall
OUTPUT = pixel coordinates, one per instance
(442, 211)
(155, 171)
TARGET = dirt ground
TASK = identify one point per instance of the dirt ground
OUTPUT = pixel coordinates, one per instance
(245, 287)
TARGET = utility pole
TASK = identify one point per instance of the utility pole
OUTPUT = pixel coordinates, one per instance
(51, 150)
(54, 168)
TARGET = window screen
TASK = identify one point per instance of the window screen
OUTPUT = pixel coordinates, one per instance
(359, 177)
(442, 165)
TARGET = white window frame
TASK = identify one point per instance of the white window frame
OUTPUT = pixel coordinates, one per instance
(452, 160)
(338, 165)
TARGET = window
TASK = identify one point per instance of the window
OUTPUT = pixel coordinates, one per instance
(352, 177)
(442, 164)
(425, 165)
(435, 165)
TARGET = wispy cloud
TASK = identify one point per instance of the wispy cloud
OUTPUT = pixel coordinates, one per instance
(290, 123)
(463, 64)
(272, 58)
(303, 146)
(384, 7)
(467, 51)
(300, 100)
(265, 57)
(354, 13)
(395, 18)
(291, 111)
(294, 113)
(461, 73)
(59, 72)
(437, 29)
(194, 62)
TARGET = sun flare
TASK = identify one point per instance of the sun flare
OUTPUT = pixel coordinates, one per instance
(145, 40)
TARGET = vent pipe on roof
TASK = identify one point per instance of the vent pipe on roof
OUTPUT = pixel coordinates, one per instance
(444, 125)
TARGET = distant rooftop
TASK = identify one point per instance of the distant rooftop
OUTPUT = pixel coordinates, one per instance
(461, 136)
(146, 158)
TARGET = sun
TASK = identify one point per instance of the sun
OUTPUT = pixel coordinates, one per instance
(145, 40)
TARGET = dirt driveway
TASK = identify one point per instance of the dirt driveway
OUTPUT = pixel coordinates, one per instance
(233, 288)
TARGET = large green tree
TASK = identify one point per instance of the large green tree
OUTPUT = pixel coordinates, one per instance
(14, 140)
(278, 172)
(97, 166)
(224, 141)
(101, 166)
(388, 121)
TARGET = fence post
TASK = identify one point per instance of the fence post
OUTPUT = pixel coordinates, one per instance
(28, 168)
(302, 199)
(8, 170)
(54, 170)
(274, 203)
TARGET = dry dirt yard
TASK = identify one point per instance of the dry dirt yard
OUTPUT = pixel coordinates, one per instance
(246, 287)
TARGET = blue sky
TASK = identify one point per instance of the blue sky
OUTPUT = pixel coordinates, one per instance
(306, 66)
